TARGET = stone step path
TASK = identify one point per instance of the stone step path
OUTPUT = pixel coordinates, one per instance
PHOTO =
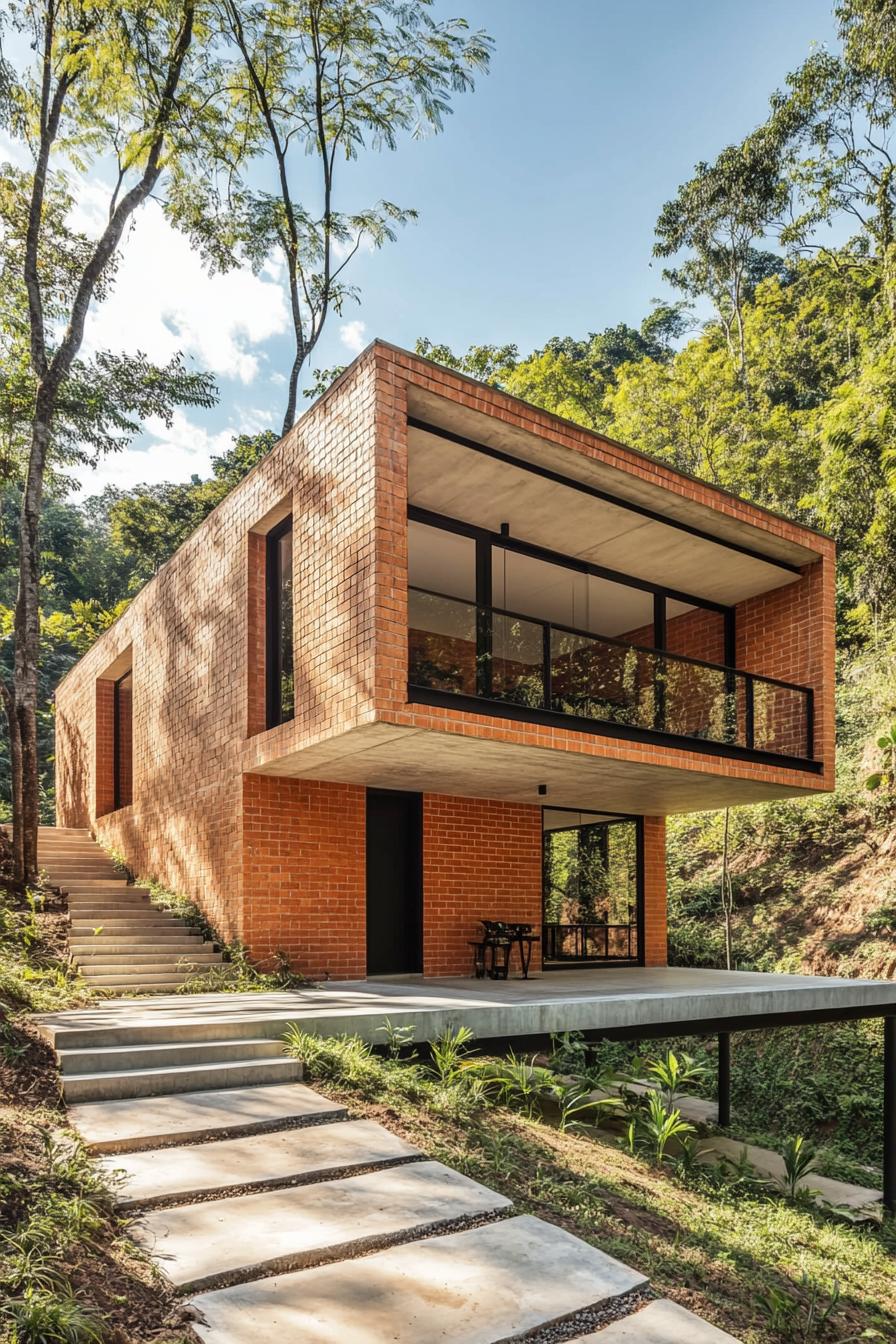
(660, 1322)
(285, 1218)
(114, 925)
(289, 1157)
(488, 1284)
(157, 1122)
(248, 1236)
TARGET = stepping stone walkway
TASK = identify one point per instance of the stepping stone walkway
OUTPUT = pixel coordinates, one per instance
(289, 1157)
(476, 1287)
(285, 1219)
(661, 1322)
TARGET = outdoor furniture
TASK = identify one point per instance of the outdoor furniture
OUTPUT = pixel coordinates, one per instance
(500, 933)
(494, 951)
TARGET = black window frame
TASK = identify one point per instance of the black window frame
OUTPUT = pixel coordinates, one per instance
(274, 715)
(118, 800)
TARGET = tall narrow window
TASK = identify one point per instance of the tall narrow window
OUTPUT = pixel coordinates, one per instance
(279, 618)
(122, 740)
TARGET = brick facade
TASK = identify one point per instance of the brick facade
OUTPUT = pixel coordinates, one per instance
(481, 860)
(218, 811)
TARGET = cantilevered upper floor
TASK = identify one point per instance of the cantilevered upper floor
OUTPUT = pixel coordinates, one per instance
(431, 585)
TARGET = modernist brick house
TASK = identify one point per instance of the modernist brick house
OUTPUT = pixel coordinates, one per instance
(444, 656)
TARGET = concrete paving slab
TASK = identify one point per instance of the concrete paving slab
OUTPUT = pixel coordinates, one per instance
(490, 1283)
(198, 1245)
(767, 1163)
(151, 1122)
(258, 1159)
(661, 1322)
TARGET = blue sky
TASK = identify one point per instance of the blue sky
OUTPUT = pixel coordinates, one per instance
(537, 204)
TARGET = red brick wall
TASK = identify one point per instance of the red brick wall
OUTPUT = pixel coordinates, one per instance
(789, 633)
(197, 632)
(304, 874)
(655, 940)
(481, 860)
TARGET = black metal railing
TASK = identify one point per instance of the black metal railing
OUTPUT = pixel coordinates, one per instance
(488, 653)
(590, 942)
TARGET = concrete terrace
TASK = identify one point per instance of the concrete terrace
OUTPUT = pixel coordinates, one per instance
(632, 1001)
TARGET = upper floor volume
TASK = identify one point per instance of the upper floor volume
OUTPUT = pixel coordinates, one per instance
(430, 584)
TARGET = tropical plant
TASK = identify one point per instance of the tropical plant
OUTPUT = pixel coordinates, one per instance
(674, 1073)
(575, 1101)
(398, 1040)
(449, 1051)
(653, 1127)
(799, 1160)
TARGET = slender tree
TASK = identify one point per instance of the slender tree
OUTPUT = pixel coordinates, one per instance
(105, 84)
(316, 82)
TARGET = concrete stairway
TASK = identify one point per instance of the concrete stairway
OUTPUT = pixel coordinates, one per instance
(119, 940)
(282, 1216)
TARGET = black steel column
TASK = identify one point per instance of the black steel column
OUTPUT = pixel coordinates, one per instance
(724, 1080)
(890, 1115)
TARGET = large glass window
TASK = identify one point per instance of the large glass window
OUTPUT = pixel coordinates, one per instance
(279, 620)
(591, 888)
(122, 740)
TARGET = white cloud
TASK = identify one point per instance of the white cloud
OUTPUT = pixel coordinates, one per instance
(351, 334)
(172, 454)
(164, 301)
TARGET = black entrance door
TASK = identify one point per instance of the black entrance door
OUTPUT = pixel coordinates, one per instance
(394, 882)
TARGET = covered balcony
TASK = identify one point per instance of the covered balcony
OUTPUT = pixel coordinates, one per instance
(513, 611)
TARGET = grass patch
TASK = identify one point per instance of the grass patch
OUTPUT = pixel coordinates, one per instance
(766, 1269)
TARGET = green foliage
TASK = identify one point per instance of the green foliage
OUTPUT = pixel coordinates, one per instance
(398, 1040)
(674, 1074)
(653, 1127)
(41, 1316)
(32, 975)
(799, 1161)
(885, 776)
(449, 1051)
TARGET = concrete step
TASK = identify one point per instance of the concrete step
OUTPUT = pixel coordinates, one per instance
(496, 1282)
(151, 940)
(660, 1322)
(104, 947)
(146, 982)
(178, 1078)
(177, 971)
(119, 910)
(127, 923)
(119, 1057)
(200, 1244)
(111, 895)
(204, 955)
(156, 1122)
(63, 830)
(292, 1156)
(98, 886)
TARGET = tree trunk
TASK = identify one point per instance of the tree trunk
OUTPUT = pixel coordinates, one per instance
(15, 770)
(27, 636)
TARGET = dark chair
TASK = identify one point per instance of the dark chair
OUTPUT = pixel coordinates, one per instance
(501, 934)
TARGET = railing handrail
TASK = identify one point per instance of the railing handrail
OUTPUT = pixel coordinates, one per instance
(618, 643)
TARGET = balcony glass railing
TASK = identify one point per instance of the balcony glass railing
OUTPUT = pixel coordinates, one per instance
(485, 653)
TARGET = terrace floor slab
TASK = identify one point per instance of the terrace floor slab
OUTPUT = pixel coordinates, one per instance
(484, 1285)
